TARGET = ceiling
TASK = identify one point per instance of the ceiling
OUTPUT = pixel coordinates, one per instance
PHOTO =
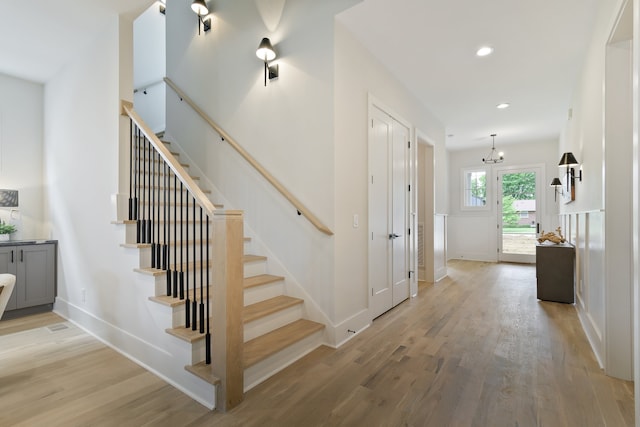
(429, 45)
(37, 37)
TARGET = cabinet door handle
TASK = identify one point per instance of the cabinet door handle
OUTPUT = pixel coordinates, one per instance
(21, 255)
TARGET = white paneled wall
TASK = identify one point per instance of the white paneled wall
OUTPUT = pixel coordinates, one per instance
(608, 331)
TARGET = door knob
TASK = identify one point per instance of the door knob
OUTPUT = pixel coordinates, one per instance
(393, 236)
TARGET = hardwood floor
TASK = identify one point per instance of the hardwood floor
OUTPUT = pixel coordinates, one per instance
(476, 349)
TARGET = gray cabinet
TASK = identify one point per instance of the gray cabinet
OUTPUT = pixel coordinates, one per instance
(34, 265)
(555, 272)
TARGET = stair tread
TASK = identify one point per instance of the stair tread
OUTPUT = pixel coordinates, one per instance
(264, 346)
(171, 301)
(261, 279)
(253, 258)
(172, 244)
(186, 334)
(203, 371)
(157, 272)
(264, 308)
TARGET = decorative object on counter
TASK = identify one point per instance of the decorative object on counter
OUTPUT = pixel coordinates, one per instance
(9, 198)
(552, 237)
(6, 230)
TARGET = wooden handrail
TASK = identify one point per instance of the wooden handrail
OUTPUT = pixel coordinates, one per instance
(252, 161)
(181, 173)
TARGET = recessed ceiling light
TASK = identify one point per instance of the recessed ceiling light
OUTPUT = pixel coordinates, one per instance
(502, 106)
(484, 51)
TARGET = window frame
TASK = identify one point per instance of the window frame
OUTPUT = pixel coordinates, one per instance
(464, 173)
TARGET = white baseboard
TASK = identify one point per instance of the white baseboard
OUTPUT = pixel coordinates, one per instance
(149, 356)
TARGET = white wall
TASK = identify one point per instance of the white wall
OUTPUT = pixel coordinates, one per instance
(97, 287)
(600, 211)
(308, 128)
(358, 75)
(287, 126)
(472, 234)
(149, 67)
(21, 143)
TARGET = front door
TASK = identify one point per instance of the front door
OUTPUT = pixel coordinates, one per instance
(388, 212)
(518, 217)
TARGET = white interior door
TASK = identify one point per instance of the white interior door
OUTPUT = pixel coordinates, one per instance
(388, 212)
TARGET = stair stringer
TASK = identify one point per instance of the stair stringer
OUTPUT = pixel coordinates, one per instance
(153, 349)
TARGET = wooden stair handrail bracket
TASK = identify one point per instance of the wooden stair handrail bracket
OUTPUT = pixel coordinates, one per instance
(176, 167)
(302, 210)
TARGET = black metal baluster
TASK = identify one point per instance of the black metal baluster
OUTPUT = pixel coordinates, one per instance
(165, 246)
(131, 161)
(143, 222)
(181, 242)
(136, 187)
(202, 261)
(175, 236)
(194, 313)
(159, 246)
(187, 301)
(150, 189)
(207, 336)
(154, 260)
(167, 236)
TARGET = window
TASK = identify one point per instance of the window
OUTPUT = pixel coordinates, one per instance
(524, 214)
(474, 191)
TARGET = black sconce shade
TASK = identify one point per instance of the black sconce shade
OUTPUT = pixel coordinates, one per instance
(568, 159)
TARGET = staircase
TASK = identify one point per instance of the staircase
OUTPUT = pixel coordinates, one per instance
(275, 330)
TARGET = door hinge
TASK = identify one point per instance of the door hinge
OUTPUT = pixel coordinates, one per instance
(409, 232)
(372, 179)
(409, 187)
(408, 144)
(371, 123)
(410, 273)
(371, 291)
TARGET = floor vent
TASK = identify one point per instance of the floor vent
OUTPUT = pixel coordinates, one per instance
(57, 327)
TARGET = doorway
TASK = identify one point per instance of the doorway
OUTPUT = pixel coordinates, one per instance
(519, 205)
(389, 189)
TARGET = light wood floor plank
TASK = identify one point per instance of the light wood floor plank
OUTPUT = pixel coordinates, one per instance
(476, 349)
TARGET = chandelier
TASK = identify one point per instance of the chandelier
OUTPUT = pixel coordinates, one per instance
(494, 156)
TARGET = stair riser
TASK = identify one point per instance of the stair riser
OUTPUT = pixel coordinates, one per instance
(187, 353)
(187, 232)
(278, 361)
(263, 292)
(178, 317)
(273, 321)
(255, 268)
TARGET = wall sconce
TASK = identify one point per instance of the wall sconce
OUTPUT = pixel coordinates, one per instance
(569, 160)
(267, 53)
(200, 8)
(9, 198)
(557, 184)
